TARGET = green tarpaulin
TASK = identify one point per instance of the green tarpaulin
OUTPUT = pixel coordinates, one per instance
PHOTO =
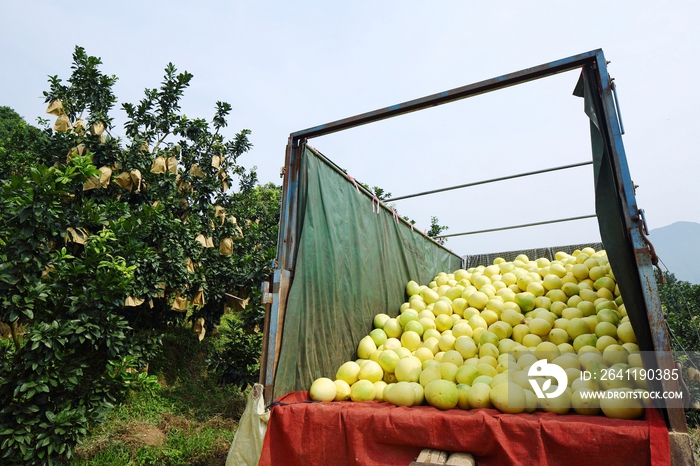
(351, 264)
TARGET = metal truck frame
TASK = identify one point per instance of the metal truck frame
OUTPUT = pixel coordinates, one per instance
(605, 102)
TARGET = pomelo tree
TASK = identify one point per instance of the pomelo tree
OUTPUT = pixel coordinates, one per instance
(107, 240)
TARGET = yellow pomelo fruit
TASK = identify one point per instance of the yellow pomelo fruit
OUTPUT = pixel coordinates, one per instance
(535, 288)
(388, 359)
(479, 396)
(558, 336)
(459, 305)
(454, 292)
(587, 308)
(463, 392)
(539, 326)
(543, 302)
(371, 371)
(476, 321)
(561, 323)
(606, 329)
(527, 359)
(392, 344)
(412, 288)
(592, 322)
(589, 358)
(446, 342)
(379, 320)
(462, 328)
(418, 389)
(422, 353)
(342, 390)
(572, 313)
(323, 389)
(590, 384)
(604, 341)
(478, 300)
(512, 317)
(442, 307)
(586, 405)
(525, 300)
(501, 329)
(519, 332)
(417, 326)
(576, 327)
(378, 336)
(466, 374)
(379, 388)
(444, 322)
(557, 269)
(429, 296)
(488, 349)
(546, 315)
(565, 348)
(348, 372)
(621, 408)
(392, 328)
(506, 345)
(487, 369)
(530, 401)
(531, 341)
(454, 357)
(429, 374)
(429, 363)
(635, 360)
(466, 347)
(570, 289)
(389, 378)
(366, 348)
(442, 394)
(567, 361)
(490, 360)
(547, 350)
(410, 340)
(585, 339)
(552, 282)
(580, 271)
(408, 369)
(615, 354)
(500, 378)
(588, 295)
(557, 295)
(488, 337)
(508, 398)
(407, 316)
(560, 404)
(433, 344)
(626, 333)
(448, 371)
(401, 394)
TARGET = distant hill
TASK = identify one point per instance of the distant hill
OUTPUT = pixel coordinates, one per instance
(678, 246)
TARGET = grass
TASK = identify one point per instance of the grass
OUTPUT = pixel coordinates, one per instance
(188, 419)
(695, 442)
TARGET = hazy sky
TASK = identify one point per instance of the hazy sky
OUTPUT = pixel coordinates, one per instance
(286, 66)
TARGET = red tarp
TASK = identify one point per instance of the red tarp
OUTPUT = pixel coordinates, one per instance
(381, 434)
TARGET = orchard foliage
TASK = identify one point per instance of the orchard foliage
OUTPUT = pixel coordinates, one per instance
(105, 241)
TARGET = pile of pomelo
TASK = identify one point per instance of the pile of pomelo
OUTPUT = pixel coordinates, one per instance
(469, 339)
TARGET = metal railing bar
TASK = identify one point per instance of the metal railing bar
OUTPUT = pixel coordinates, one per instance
(518, 226)
(492, 180)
